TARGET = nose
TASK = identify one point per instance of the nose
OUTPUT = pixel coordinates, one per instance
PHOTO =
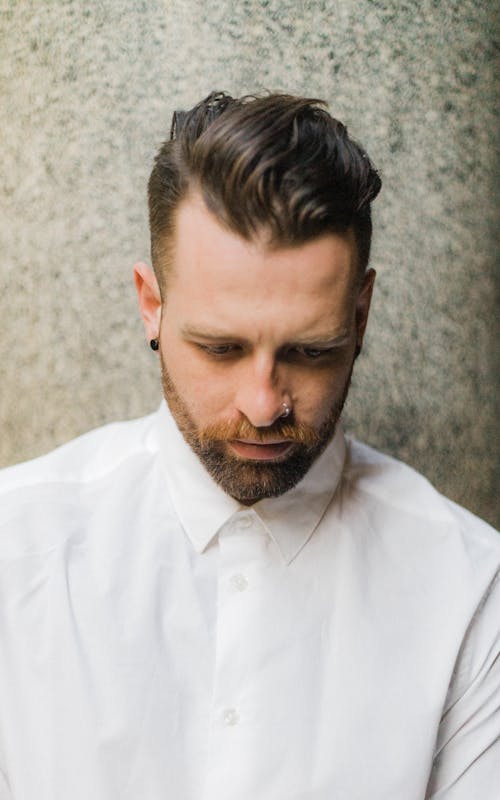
(261, 394)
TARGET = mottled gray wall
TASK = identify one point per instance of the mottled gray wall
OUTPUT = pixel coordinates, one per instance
(87, 93)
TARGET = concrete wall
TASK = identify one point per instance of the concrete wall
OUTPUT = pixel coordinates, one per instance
(88, 89)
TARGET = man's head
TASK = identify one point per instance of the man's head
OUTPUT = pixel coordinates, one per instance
(276, 166)
(260, 229)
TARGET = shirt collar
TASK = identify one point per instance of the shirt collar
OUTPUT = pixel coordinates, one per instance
(204, 508)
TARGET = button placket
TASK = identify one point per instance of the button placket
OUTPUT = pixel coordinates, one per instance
(244, 522)
(243, 559)
(230, 717)
(239, 582)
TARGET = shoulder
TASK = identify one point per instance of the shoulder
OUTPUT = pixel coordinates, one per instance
(405, 503)
(85, 458)
(43, 499)
(438, 561)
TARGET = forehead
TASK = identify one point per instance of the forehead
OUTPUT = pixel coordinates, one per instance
(214, 271)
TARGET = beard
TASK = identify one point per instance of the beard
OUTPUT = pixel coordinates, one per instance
(246, 480)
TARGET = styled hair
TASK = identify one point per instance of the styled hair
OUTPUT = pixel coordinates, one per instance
(276, 164)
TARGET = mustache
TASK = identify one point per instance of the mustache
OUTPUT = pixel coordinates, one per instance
(243, 429)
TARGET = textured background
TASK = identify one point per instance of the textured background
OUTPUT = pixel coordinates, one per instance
(87, 93)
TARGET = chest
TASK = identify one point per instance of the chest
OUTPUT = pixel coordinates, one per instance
(221, 676)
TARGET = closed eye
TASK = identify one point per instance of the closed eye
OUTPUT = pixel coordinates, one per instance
(313, 353)
(218, 350)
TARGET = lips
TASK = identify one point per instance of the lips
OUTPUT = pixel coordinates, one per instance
(260, 451)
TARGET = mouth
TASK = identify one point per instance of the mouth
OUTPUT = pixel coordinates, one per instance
(261, 451)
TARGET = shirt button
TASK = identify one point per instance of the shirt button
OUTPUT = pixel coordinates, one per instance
(239, 582)
(230, 717)
(244, 522)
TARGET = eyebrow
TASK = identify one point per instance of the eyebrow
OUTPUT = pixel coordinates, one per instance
(326, 339)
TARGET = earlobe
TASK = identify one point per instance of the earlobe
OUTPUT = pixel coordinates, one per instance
(363, 307)
(148, 293)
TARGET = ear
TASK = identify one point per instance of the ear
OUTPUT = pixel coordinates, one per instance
(148, 293)
(363, 307)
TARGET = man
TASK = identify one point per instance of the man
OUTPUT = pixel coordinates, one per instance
(228, 599)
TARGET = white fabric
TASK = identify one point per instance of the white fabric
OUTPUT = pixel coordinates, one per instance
(157, 640)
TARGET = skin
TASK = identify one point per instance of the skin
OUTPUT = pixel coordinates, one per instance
(244, 328)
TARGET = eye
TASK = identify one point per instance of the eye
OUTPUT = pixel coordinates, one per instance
(218, 350)
(313, 353)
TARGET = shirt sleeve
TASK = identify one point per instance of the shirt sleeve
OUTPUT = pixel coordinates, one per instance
(4, 788)
(467, 756)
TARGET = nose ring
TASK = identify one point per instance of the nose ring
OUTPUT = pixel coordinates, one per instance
(286, 411)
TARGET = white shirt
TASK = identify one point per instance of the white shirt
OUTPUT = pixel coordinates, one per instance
(160, 641)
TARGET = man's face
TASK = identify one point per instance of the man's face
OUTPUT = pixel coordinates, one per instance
(244, 329)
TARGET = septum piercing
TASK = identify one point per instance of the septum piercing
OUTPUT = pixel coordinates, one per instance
(286, 411)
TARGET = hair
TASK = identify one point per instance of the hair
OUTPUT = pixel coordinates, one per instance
(277, 164)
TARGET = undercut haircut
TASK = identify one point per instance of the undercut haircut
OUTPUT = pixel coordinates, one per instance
(276, 165)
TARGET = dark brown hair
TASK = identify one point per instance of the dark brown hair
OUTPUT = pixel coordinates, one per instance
(278, 164)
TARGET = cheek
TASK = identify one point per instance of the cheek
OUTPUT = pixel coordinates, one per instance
(208, 399)
(315, 398)
(206, 395)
